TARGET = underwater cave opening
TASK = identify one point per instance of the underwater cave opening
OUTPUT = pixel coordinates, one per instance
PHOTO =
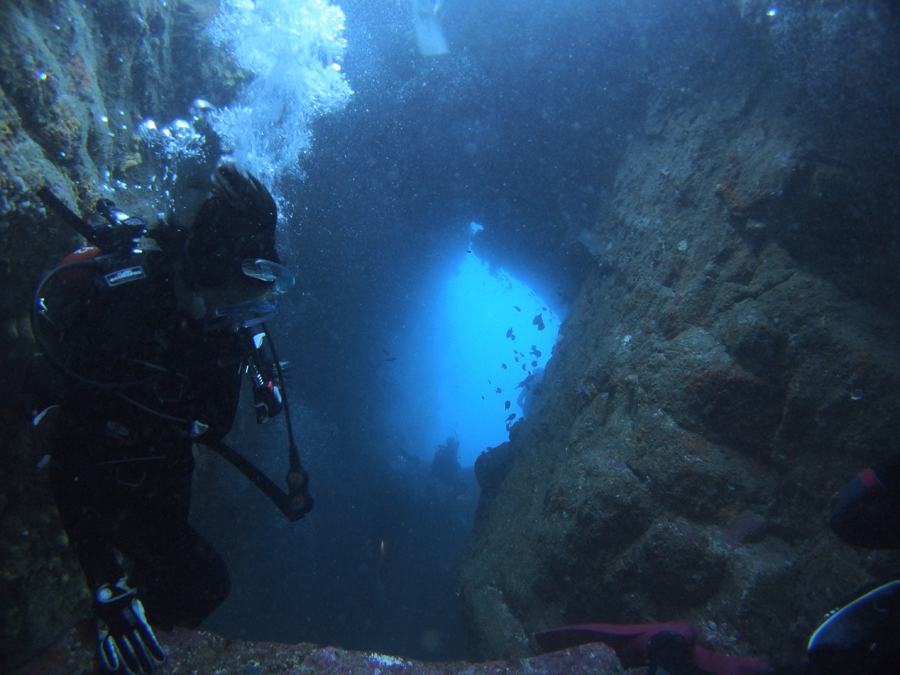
(473, 357)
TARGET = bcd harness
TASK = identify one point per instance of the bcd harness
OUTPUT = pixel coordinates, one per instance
(126, 236)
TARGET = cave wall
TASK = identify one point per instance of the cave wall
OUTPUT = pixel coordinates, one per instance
(75, 81)
(730, 362)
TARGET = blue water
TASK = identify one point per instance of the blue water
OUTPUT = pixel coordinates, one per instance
(477, 309)
(450, 357)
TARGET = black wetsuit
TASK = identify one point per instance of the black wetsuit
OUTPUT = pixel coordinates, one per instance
(122, 453)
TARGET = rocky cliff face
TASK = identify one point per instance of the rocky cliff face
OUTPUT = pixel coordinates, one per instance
(729, 365)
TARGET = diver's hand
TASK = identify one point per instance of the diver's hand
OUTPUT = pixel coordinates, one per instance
(126, 641)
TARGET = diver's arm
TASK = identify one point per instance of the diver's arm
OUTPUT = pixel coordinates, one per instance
(126, 642)
(87, 528)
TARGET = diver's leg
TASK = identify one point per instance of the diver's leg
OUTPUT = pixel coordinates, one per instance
(179, 576)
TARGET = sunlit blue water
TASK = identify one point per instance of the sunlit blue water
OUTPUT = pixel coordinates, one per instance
(469, 342)
(478, 308)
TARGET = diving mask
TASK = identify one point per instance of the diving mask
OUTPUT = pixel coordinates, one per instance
(266, 270)
(253, 311)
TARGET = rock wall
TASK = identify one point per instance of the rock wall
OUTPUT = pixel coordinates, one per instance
(74, 85)
(201, 652)
(729, 365)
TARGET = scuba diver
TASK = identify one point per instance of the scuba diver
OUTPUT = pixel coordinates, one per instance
(860, 638)
(445, 465)
(153, 330)
(531, 389)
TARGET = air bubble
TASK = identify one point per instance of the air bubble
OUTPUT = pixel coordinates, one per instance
(201, 107)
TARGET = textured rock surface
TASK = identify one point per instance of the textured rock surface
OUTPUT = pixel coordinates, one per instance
(727, 368)
(193, 652)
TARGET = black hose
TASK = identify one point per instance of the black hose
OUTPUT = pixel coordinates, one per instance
(297, 478)
(284, 502)
(293, 452)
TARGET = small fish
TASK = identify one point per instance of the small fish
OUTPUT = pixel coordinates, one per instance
(506, 405)
(511, 417)
(468, 250)
(518, 309)
(482, 398)
(538, 321)
(386, 352)
(498, 390)
(536, 351)
(523, 366)
(392, 358)
(544, 308)
(503, 365)
(489, 382)
(517, 359)
(509, 333)
(534, 364)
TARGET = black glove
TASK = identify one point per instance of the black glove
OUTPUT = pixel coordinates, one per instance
(126, 641)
